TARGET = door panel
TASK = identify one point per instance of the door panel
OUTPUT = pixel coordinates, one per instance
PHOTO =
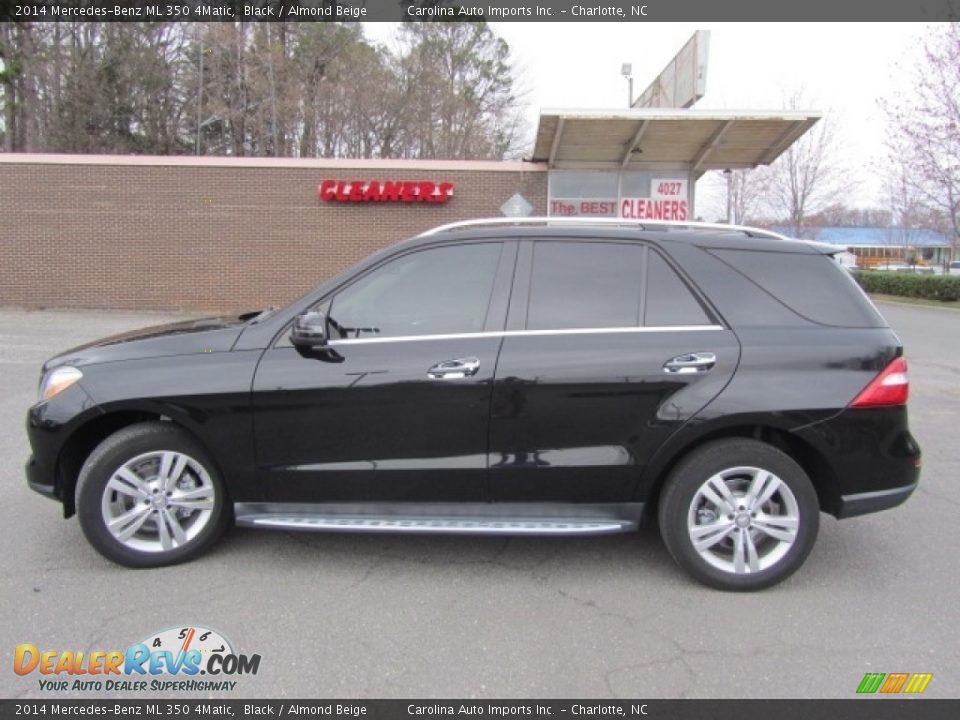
(595, 372)
(576, 417)
(397, 406)
(374, 426)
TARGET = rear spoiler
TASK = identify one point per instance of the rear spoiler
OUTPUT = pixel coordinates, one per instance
(825, 248)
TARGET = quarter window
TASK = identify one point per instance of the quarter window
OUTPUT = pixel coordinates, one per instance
(814, 286)
(429, 292)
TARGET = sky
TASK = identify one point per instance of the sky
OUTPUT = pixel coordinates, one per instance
(842, 68)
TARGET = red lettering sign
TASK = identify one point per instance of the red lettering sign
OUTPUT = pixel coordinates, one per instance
(651, 209)
(406, 191)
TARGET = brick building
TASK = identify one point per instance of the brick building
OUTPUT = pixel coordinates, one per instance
(211, 233)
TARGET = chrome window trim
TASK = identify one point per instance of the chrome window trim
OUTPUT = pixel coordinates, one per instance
(518, 333)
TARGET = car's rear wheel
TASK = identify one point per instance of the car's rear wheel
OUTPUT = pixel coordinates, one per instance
(739, 514)
(150, 495)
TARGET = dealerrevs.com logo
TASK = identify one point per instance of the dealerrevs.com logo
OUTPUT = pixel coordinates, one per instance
(172, 660)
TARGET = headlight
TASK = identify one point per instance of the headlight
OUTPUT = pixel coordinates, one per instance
(56, 381)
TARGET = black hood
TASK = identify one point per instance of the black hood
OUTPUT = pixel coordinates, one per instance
(182, 338)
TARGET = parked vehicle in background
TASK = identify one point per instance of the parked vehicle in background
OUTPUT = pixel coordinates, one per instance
(904, 268)
(954, 268)
(531, 376)
(846, 259)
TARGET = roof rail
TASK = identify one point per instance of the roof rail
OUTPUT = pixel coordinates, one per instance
(639, 224)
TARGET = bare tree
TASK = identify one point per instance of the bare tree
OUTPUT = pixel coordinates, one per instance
(238, 88)
(8, 77)
(924, 128)
(808, 176)
(841, 215)
(746, 188)
(464, 105)
(18, 59)
(907, 209)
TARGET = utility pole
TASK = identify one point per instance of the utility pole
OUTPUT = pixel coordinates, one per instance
(728, 174)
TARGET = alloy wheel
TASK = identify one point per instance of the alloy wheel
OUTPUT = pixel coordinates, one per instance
(158, 501)
(743, 520)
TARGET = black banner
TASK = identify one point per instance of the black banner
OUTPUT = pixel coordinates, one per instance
(463, 10)
(854, 709)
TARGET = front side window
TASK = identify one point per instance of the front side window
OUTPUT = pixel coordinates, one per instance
(430, 292)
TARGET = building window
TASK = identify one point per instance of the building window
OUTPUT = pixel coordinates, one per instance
(636, 195)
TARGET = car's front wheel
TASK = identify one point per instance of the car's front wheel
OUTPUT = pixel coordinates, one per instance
(150, 495)
(739, 514)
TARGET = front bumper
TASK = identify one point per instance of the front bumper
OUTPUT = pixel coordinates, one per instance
(871, 502)
(40, 480)
(49, 425)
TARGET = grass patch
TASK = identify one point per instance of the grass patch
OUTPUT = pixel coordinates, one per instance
(882, 298)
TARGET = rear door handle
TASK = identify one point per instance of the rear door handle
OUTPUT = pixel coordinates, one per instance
(454, 369)
(697, 362)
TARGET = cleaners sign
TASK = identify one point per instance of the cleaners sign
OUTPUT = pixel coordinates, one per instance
(668, 201)
(407, 191)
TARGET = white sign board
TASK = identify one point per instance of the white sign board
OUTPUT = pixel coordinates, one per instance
(668, 201)
(668, 189)
(516, 206)
(596, 207)
(684, 80)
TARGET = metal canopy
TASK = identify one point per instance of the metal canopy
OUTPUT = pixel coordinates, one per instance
(666, 139)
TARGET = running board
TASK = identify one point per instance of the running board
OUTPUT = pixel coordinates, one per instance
(448, 519)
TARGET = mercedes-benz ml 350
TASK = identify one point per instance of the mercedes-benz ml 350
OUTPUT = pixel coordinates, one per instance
(532, 377)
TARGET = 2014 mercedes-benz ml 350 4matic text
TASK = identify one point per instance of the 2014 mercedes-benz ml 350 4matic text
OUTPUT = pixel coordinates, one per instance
(522, 377)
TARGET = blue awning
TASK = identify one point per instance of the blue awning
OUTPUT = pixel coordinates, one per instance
(869, 237)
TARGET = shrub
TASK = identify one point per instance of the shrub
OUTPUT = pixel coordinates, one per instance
(929, 287)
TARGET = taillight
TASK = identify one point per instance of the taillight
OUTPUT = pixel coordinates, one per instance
(890, 387)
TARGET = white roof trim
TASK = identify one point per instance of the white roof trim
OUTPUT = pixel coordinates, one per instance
(680, 114)
(365, 165)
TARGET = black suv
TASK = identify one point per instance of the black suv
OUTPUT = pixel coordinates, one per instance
(511, 377)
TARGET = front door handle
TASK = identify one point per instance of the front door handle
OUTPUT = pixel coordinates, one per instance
(454, 369)
(697, 362)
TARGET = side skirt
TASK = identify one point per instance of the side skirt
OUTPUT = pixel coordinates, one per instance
(445, 518)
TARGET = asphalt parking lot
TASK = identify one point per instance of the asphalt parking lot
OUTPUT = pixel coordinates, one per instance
(403, 616)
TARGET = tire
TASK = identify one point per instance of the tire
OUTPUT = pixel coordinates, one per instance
(150, 495)
(774, 512)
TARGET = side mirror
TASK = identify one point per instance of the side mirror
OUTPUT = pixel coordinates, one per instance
(309, 331)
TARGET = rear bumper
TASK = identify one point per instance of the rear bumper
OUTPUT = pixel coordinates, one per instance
(869, 460)
(871, 502)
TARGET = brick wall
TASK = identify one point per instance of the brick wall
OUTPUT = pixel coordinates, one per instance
(211, 234)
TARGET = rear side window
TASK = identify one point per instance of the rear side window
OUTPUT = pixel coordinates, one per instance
(585, 285)
(669, 300)
(607, 285)
(813, 286)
